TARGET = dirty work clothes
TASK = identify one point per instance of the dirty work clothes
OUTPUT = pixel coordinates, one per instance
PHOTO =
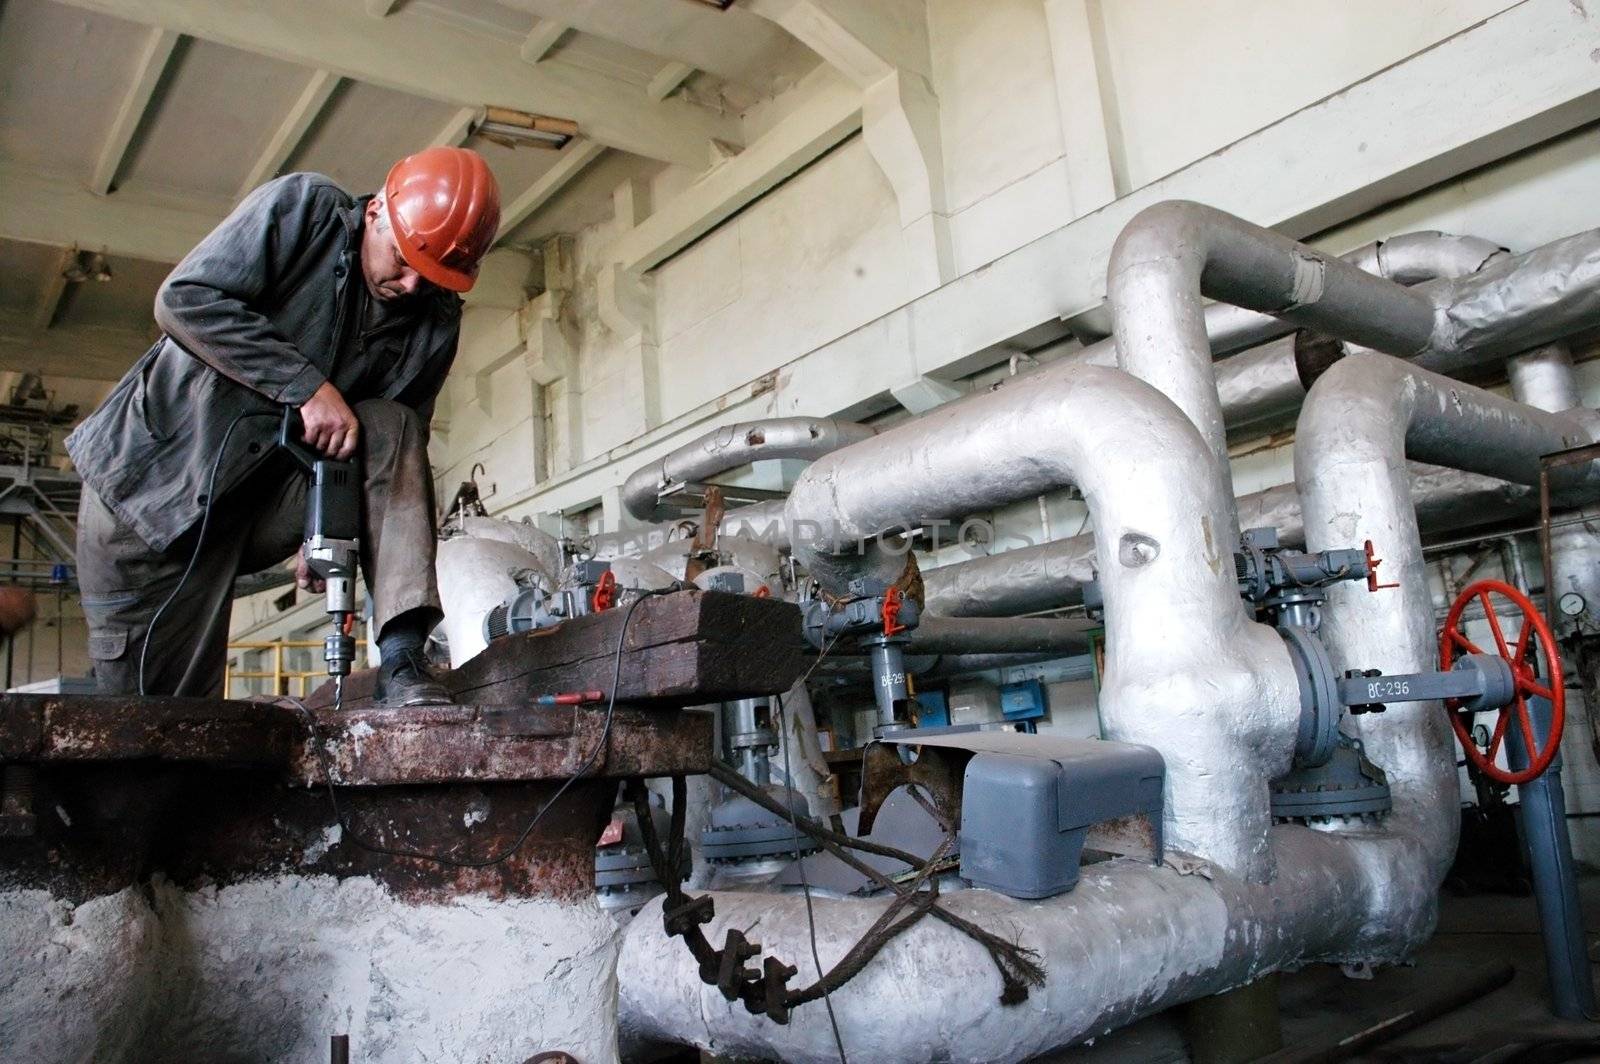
(255, 318)
(259, 523)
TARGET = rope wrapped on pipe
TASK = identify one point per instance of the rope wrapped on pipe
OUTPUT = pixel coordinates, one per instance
(765, 992)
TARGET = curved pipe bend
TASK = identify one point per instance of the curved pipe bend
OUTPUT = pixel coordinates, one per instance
(1224, 695)
(732, 446)
(1174, 253)
(1361, 421)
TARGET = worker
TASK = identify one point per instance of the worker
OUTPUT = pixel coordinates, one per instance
(345, 309)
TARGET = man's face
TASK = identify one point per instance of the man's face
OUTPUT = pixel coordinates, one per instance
(384, 269)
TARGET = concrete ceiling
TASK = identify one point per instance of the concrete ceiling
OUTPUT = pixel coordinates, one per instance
(130, 127)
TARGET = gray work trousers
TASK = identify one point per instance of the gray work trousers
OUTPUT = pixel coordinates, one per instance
(253, 526)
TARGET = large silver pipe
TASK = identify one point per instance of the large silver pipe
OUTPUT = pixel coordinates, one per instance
(1128, 941)
(1516, 304)
(1224, 694)
(1175, 253)
(1408, 259)
(1050, 576)
(730, 447)
(1361, 421)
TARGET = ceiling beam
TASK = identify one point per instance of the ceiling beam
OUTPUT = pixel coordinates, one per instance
(543, 37)
(575, 157)
(44, 208)
(409, 52)
(830, 113)
(667, 80)
(54, 289)
(148, 68)
(307, 107)
(455, 132)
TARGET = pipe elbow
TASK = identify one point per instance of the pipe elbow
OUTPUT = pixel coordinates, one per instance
(1168, 231)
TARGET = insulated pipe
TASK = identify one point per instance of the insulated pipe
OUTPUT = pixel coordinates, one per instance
(1361, 421)
(1050, 576)
(732, 446)
(1223, 695)
(1172, 254)
(1408, 259)
(1128, 941)
(1516, 304)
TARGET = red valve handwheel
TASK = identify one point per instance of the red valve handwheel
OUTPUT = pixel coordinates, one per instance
(1527, 681)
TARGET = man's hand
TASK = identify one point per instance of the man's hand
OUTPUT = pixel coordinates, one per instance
(330, 425)
(305, 578)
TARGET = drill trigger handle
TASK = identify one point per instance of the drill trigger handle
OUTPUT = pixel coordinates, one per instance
(290, 432)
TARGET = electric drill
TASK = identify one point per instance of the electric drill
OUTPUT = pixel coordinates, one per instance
(332, 538)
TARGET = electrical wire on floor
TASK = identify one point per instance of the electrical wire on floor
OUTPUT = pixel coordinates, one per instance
(805, 883)
(200, 537)
(527, 832)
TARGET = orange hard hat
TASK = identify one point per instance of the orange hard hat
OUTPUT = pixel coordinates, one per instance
(444, 208)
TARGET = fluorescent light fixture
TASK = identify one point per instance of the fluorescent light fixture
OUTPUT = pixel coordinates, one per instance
(511, 129)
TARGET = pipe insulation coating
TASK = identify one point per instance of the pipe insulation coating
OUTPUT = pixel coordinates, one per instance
(1361, 421)
(1172, 254)
(1050, 576)
(1221, 704)
(732, 446)
(1165, 563)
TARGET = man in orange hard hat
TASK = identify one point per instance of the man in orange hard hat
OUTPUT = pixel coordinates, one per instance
(343, 308)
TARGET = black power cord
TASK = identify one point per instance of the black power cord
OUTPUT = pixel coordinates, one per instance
(483, 862)
(199, 541)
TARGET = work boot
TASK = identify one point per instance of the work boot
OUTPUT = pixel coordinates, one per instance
(406, 679)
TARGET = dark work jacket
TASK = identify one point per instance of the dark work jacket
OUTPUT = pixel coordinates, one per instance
(252, 319)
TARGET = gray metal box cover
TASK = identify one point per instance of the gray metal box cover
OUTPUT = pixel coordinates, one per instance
(1027, 809)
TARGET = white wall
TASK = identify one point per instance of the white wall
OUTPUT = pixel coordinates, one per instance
(1188, 78)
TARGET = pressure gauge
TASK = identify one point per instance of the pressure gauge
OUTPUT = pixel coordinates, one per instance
(1571, 604)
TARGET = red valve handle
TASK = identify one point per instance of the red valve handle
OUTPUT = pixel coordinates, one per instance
(605, 591)
(891, 612)
(1525, 677)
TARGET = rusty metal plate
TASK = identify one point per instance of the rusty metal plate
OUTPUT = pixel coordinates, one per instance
(116, 728)
(939, 771)
(441, 744)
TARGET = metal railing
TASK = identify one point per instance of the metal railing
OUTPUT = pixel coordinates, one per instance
(280, 674)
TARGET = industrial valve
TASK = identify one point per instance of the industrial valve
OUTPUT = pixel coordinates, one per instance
(591, 589)
(1290, 584)
(877, 616)
(1290, 587)
(1521, 675)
